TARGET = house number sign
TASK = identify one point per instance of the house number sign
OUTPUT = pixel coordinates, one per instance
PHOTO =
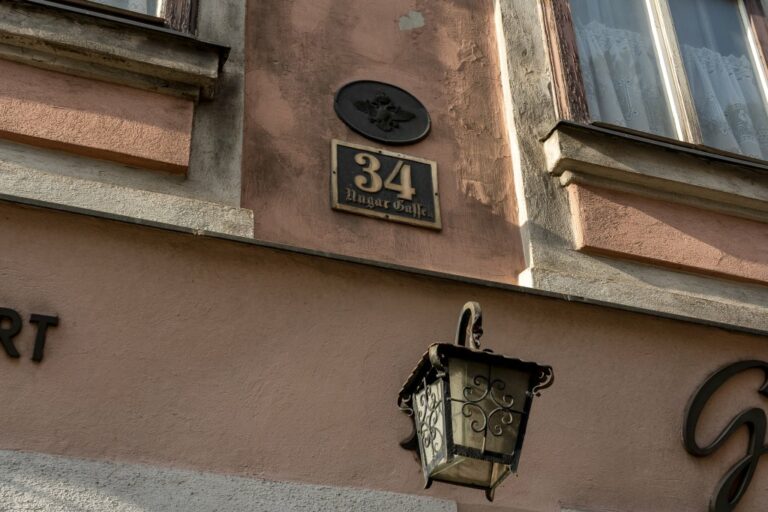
(10, 327)
(736, 480)
(390, 186)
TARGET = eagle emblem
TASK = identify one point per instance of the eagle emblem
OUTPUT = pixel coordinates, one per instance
(384, 113)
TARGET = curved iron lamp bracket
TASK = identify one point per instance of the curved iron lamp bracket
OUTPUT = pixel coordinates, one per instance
(470, 322)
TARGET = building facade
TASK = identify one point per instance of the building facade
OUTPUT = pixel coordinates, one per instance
(192, 321)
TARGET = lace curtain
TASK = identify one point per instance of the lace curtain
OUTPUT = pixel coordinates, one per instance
(620, 66)
(623, 80)
(722, 75)
(151, 7)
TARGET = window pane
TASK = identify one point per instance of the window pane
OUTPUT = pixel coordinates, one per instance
(722, 75)
(151, 7)
(620, 65)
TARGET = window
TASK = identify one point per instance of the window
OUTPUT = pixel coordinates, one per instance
(175, 14)
(692, 70)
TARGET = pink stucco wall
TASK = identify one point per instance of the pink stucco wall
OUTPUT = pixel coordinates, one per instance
(94, 118)
(182, 351)
(300, 53)
(670, 234)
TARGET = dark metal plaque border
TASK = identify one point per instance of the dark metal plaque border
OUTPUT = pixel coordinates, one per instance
(437, 225)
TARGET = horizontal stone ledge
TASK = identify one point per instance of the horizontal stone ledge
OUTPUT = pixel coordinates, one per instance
(27, 186)
(40, 482)
(634, 285)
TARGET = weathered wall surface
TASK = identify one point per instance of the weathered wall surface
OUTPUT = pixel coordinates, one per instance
(93, 118)
(300, 53)
(184, 352)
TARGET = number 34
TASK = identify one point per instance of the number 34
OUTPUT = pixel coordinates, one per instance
(373, 183)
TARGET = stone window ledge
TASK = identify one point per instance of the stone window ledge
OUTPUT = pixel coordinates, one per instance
(591, 155)
(103, 47)
(23, 184)
(633, 284)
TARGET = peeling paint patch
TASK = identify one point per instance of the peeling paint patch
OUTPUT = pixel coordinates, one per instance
(412, 20)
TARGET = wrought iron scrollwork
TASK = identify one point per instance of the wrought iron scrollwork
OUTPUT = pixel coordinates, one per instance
(546, 379)
(486, 405)
(429, 414)
(734, 484)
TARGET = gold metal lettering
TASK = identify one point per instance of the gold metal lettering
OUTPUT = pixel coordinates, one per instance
(371, 166)
(372, 182)
(404, 188)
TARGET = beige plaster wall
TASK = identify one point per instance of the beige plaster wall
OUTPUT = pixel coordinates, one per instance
(93, 118)
(630, 226)
(299, 53)
(181, 351)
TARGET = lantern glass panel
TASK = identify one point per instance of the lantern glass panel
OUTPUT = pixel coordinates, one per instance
(487, 406)
(429, 408)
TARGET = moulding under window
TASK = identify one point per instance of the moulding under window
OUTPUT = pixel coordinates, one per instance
(616, 160)
(79, 42)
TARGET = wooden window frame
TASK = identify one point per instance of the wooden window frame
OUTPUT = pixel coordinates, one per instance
(568, 87)
(178, 15)
(181, 15)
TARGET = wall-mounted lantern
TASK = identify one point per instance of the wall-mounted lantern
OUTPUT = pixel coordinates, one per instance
(470, 408)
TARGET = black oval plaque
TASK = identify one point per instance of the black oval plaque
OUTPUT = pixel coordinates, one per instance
(382, 112)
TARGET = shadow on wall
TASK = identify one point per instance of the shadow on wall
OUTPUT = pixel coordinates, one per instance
(45, 483)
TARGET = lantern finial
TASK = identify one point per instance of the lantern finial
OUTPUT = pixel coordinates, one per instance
(470, 319)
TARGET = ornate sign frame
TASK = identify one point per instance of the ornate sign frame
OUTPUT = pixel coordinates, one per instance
(385, 212)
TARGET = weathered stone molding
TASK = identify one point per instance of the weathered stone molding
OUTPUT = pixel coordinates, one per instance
(594, 156)
(646, 286)
(103, 47)
(28, 186)
(50, 483)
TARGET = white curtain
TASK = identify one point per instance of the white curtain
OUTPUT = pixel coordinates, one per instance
(722, 75)
(619, 65)
(151, 7)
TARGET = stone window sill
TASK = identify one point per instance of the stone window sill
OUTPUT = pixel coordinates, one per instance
(104, 47)
(680, 173)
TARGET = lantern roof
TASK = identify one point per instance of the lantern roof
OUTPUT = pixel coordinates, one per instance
(435, 359)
